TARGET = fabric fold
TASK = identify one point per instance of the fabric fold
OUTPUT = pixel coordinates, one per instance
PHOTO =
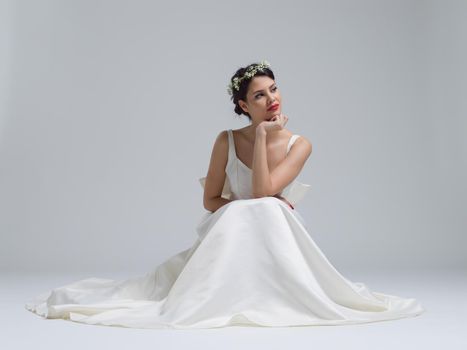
(237, 272)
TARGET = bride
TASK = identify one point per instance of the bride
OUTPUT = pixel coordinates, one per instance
(254, 262)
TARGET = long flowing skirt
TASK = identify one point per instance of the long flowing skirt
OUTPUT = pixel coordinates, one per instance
(253, 264)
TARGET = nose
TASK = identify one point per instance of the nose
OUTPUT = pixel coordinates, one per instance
(271, 98)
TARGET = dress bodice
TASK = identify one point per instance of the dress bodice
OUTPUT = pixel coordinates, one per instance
(238, 181)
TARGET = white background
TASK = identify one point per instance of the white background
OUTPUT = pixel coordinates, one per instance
(109, 111)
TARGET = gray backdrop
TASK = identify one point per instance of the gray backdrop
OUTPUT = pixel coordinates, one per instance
(109, 111)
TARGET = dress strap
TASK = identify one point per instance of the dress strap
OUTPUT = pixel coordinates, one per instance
(231, 145)
(292, 140)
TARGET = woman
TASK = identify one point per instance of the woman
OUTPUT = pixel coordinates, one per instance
(262, 144)
(254, 262)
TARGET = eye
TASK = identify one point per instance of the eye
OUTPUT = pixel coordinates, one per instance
(273, 89)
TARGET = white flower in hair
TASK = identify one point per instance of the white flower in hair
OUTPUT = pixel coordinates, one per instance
(251, 71)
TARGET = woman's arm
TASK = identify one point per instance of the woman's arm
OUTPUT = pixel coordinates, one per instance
(215, 203)
(261, 178)
(267, 183)
(215, 178)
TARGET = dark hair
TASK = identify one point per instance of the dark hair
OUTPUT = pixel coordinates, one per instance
(241, 93)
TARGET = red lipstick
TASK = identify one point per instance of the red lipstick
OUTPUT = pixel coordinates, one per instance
(273, 107)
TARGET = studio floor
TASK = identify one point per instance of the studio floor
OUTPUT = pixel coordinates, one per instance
(442, 292)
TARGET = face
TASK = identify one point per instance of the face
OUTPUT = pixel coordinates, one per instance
(262, 94)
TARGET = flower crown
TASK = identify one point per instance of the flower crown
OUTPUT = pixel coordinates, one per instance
(251, 71)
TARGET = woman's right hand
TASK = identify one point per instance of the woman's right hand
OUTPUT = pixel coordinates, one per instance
(277, 122)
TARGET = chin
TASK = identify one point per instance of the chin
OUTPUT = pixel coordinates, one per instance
(273, 115)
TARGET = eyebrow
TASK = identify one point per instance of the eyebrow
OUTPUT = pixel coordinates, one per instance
(262, 90)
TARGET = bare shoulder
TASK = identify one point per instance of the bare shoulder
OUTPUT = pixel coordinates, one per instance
(304, 141)
(303, 145)
(220, 149)
(222, 138)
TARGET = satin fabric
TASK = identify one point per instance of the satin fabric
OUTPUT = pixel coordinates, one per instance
(253, 263)
(237, 183)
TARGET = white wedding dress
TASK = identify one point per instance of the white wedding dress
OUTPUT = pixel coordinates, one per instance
(253, 264)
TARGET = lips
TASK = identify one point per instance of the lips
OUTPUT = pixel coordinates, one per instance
(273, 107)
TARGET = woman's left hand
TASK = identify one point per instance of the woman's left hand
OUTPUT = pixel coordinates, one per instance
(284, 200)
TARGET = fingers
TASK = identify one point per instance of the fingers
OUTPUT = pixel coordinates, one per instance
(277, 121)
(282, 120)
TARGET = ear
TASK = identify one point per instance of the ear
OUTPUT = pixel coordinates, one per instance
(243, 105)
